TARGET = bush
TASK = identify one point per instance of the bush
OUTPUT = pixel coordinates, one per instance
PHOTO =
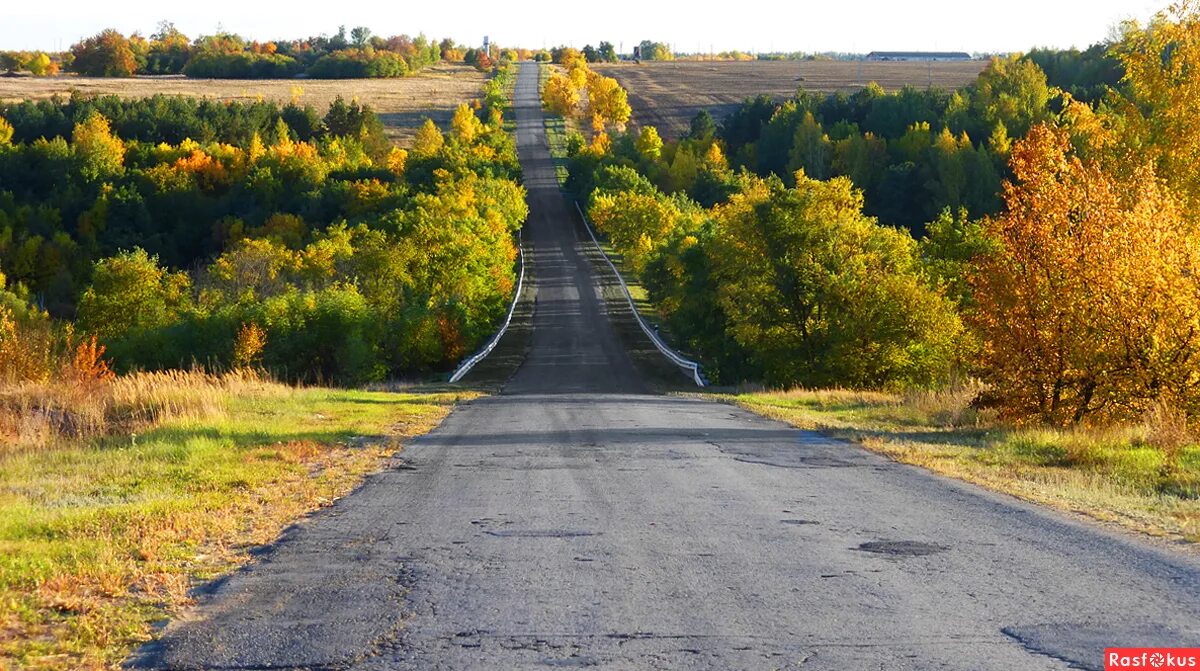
(358, 63)
(243, 65)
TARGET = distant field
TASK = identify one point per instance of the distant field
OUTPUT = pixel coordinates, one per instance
(401, 103)
(668, 95)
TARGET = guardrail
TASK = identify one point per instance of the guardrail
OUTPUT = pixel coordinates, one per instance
(466, 366)
(672, 355)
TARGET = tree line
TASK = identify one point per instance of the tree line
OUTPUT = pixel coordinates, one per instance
(359, 54)
(319, 251)
(1011, 231)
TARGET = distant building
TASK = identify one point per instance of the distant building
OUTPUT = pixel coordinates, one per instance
(487, 45)
(918, 56)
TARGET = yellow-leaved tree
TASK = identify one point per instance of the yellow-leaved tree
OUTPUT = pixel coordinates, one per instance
(1089, 305)
(465, 126)
(560, 96)
(607, 100)
(428, 141)
(99, 152)
(637, 223)
(1161, 62)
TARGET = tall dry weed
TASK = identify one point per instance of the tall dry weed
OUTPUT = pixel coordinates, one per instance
(45, 414)
(1167, 429)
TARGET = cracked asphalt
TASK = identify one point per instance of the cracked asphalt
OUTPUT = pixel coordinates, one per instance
(576, 520)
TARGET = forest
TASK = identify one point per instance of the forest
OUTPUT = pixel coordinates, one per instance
(359, 54)
(177, 232)
(1034, 231)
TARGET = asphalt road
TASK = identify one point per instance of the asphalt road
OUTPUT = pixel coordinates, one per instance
(576, 520)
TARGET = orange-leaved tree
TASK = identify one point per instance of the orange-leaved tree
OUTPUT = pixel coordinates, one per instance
(1088, 306)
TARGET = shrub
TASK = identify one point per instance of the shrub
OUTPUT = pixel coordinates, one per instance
(242, 65)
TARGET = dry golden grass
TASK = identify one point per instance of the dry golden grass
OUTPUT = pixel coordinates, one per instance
(402, 104)
(1144, 478)
(668, 94)
(99, 538)
(44, 414)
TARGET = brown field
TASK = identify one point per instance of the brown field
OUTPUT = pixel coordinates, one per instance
(668, 95)
(402, 104)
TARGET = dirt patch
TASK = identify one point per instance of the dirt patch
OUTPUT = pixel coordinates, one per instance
(402, 104)
(668, 95)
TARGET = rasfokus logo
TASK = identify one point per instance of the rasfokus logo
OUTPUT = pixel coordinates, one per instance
(1151, 658)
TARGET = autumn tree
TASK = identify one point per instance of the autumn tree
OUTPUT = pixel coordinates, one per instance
(429, 140)
(649, 144)
(465, 126)
(1089, 305)
(107, 54)
(637, 223)
(39, 64)
(1161, 60)
(607, 101)
(560, 96)
(98, 151)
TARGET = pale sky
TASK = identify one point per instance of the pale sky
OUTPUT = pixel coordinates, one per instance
(767, 25)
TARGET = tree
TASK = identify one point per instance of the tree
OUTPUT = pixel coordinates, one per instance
(821, 295)
(655, 51)
(649, 144)
(812, 150)
(1089, 305)
(702, 128)
(637, 223)
(607, 53)
(1161, 60)
(560, 96)
(465, 126)
(107, 54)
(608, 101)
(429, 140)
(169, 51)
(361, 36)
(1011, 91)
(39, 64)
(131, 291)
(98, 151)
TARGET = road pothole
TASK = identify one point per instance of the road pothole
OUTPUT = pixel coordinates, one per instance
(902, 548)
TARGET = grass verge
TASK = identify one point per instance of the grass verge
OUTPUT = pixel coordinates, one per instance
(101, 538)
(1114, 475)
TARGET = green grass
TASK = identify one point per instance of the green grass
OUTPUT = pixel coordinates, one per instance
(1112, 474)
(99, 540)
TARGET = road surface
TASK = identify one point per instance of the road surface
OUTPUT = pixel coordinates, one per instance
(576, 520)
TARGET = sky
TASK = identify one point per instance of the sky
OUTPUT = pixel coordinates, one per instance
(690, 26)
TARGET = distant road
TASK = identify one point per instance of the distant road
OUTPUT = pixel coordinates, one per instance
(577, 521)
